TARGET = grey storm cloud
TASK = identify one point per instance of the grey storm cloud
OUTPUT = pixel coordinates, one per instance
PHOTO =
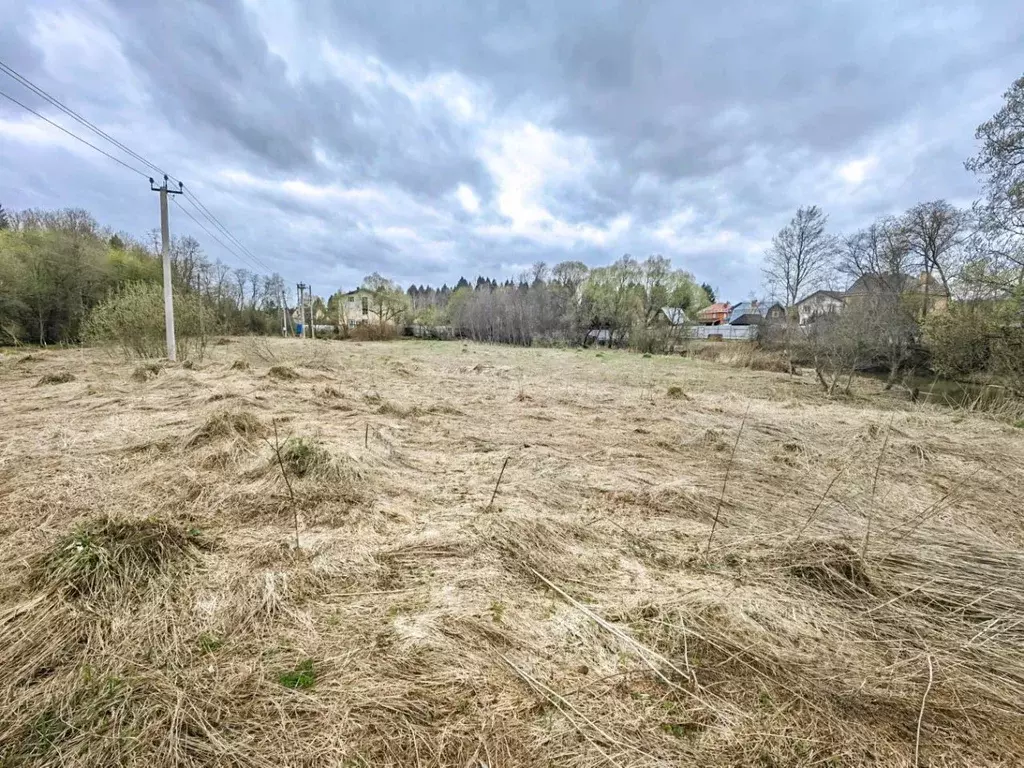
(429, 140)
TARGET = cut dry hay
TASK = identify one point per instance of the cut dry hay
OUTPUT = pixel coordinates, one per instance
(112, 556)
(56, 377)
(228, 424)
(582, 620)
(307, 457)
(282, 373)
(146, 371)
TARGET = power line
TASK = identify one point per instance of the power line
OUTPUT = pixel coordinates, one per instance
(11, 72)
(74, 136)
(220, 242)
(195, 201)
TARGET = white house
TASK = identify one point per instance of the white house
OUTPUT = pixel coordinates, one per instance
(820, 304)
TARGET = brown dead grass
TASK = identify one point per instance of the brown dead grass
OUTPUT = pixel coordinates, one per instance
(576, 621)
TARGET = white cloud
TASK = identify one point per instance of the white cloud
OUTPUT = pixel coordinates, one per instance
(467, 198)
(856, 171)
(528, 162)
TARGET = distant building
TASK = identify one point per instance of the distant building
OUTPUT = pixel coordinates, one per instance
(906, 287)
(820, 304)
(716, 314)
(755, 313)
(357, 308)
(874, 288)
(673, 316)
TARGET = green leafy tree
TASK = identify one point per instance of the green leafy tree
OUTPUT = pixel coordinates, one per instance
(388, 301)
(998, 258)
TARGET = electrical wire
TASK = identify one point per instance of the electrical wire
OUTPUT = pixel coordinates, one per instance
(13, 73)
(194, 199)
(199, 206)
(74, 136)
(220, 242)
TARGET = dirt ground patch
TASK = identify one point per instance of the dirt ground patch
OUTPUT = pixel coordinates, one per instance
(860, 603)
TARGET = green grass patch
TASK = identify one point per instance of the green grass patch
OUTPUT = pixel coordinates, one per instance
(303, 676)
(304, 456)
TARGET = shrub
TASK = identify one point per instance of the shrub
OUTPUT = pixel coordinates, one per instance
(133, 320)
(656, 340)
(676, 393)
(966, 341)
(373, 332)
(959, 342)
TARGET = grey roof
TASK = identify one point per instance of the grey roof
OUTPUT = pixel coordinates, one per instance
(891, 283)
(837, 295)
(675, 315)
(748, 308)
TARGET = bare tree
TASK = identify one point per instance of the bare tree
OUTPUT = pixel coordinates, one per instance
(935, 231)
(880, 249)
(837, 347)
(800, 256)
(241, 276)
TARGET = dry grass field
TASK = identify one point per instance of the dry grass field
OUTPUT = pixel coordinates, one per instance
(861, 601)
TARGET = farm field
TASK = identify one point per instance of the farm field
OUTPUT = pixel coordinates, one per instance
(859, 601)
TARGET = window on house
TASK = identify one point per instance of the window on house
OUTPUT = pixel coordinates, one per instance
(366, 305)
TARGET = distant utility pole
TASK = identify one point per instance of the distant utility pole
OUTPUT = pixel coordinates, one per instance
(284, 315)
(312, 313)
(165, 239)
(301, 288)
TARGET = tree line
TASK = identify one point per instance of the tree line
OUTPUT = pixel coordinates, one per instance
(968, 262)
(565, 303)
(56, 267)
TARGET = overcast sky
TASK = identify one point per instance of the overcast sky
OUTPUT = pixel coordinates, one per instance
(432, 140)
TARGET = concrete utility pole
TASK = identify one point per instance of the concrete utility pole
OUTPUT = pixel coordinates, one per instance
(312, 312)
(301, 287)
(165, 240)
(284, 315)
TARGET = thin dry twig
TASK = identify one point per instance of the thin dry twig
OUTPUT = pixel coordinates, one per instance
(725, 481)
(920, 717)
(874, 486)
(565, 708)
(817, 506)
(288, 482)
(500, 475)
